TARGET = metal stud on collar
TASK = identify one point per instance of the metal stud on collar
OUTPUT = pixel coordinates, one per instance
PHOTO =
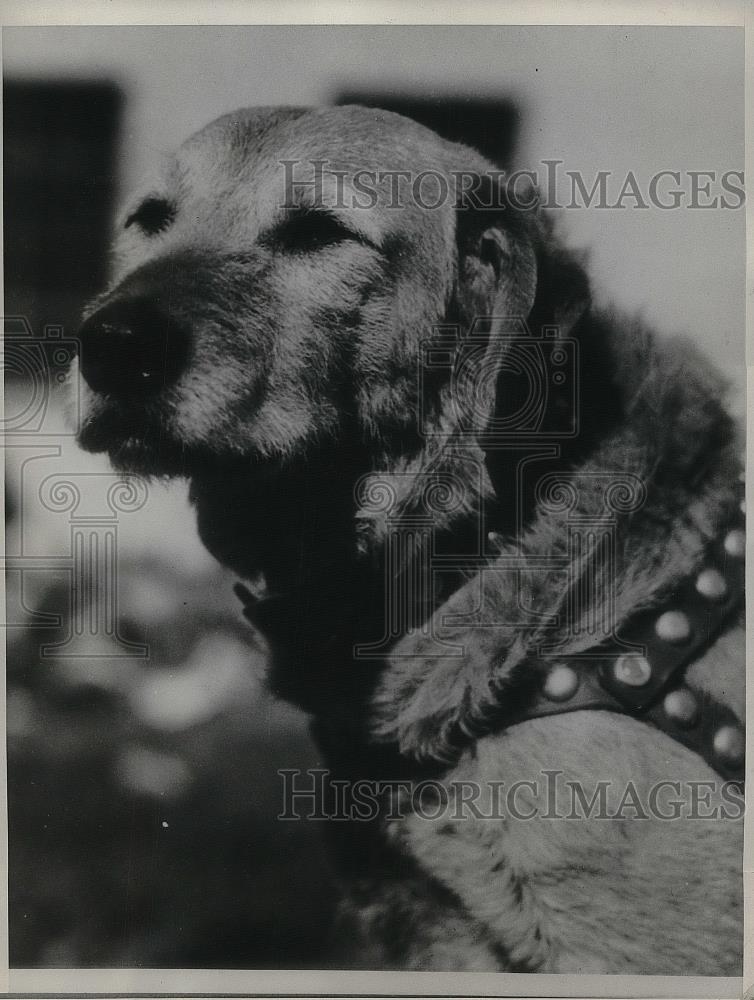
(635, 671)
(735, 543)
(649, 683)
(681, 706)
(711, 584)
(673, 626)
(561, 683)
(729, 745)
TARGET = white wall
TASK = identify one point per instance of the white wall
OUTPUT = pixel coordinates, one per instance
(610, 98)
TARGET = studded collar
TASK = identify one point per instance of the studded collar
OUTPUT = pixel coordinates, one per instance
(643, 672)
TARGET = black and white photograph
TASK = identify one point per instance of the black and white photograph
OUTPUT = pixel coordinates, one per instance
(374, 435)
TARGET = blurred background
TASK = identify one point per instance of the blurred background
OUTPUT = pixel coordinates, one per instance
(143, 749)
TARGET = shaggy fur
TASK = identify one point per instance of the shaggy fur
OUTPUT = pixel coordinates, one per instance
(297, 420)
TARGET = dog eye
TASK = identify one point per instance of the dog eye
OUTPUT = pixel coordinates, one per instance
(152, 216)
(307, 230)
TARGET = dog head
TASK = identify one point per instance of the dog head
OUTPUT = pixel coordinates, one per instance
(272, 292)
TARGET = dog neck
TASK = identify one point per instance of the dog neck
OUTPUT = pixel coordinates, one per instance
(334, 538)
(292, 525)
(318, 546)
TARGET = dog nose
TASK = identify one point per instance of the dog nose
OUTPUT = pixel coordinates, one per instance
(132, 348)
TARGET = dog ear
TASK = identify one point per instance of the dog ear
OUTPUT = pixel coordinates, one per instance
(510, 264)
(495, 292)
(497, 266)
(514, 279)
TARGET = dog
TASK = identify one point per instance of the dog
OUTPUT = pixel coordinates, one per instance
(322, 318)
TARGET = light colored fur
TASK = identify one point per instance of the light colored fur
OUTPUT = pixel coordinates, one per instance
(647, 896)
(302, 387)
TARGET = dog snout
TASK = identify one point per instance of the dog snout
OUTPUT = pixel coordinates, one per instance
(132, 348)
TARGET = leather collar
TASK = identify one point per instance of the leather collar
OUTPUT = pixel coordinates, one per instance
(643, 673)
